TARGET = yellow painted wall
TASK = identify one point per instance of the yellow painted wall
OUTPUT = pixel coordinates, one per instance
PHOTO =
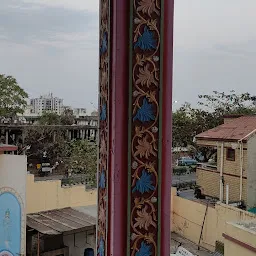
(232, 167)
(240, 234)
(49, 195)
(188, 219)
(173, 195)
(186, 215)
(227, 213)
(210, 183)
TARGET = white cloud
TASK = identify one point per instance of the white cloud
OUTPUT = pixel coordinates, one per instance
(62, 41)
(204, 23)
(24, 8)
(89, 5)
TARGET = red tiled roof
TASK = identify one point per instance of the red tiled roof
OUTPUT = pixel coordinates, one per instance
(234, 130)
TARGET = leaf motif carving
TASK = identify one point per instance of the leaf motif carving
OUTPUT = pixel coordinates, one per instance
(150, 167)
(146, 77)
(145, 250)
(146, 41)
(103, 147)
(144, 183)
(102, 215)
(147, 7)
(145, 112)
(145, 148)
(144, 219)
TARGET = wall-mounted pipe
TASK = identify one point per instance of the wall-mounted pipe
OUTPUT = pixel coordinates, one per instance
(241, 170)
(227, 194)
(221, 171)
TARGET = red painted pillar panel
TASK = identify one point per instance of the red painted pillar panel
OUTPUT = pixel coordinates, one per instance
(104, 127)
(134, 175)
(119, 127)
(150, 144)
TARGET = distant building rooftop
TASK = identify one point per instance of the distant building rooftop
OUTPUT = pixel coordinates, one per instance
(237, 129)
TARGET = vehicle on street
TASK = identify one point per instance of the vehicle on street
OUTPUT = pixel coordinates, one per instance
(186, 161)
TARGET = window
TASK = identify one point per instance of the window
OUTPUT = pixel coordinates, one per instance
(231, 154)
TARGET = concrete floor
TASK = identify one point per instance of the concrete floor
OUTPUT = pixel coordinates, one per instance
(177, 240)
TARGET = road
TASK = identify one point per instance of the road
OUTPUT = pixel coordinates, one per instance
(187, 194)
(183, 178)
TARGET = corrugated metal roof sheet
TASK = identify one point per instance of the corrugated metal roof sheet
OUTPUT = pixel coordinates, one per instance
(234, 130)
(60, 220)
(217, 254)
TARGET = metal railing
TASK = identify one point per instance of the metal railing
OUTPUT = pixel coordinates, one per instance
(207, 166)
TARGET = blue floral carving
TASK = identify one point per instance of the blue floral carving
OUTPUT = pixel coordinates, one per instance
(103, 113)
(146, 41)
(104, 44)
(145, 113)
(102, 180)
(144, 184)
(101, 248)
(145, 250)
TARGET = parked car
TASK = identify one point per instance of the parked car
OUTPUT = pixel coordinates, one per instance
(186, 161)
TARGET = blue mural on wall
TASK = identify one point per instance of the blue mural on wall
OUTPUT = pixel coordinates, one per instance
(10, 224)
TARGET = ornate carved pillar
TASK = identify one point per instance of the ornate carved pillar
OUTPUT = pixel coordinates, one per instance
(135, 103)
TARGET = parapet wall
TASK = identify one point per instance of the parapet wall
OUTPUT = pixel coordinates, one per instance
(188, 218)
(49, 195)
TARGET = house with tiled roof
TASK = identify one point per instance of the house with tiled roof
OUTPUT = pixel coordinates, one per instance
(234, 175)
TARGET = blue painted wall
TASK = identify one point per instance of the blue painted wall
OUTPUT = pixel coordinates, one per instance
(10, 223)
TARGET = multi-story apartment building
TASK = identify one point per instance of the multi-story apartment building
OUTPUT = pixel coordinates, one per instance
(46, 103)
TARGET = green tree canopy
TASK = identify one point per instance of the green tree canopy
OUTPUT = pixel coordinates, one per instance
(222, 104)
(51, 118)
(83, 158)
(12, 97)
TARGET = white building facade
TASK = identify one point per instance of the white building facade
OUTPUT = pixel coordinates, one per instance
(79, 112)
(46, 103)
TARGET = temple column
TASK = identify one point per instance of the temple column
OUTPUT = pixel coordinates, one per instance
(135, 106)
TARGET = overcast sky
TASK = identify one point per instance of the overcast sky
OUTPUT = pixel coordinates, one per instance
(52, 46)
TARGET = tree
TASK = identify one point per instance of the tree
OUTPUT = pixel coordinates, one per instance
(78, 156)
(12, 97)
(49, 118)
(182, 128)
(83, 158)
(67, 117)
(222, 104)
(46, 138)
(188, 122)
